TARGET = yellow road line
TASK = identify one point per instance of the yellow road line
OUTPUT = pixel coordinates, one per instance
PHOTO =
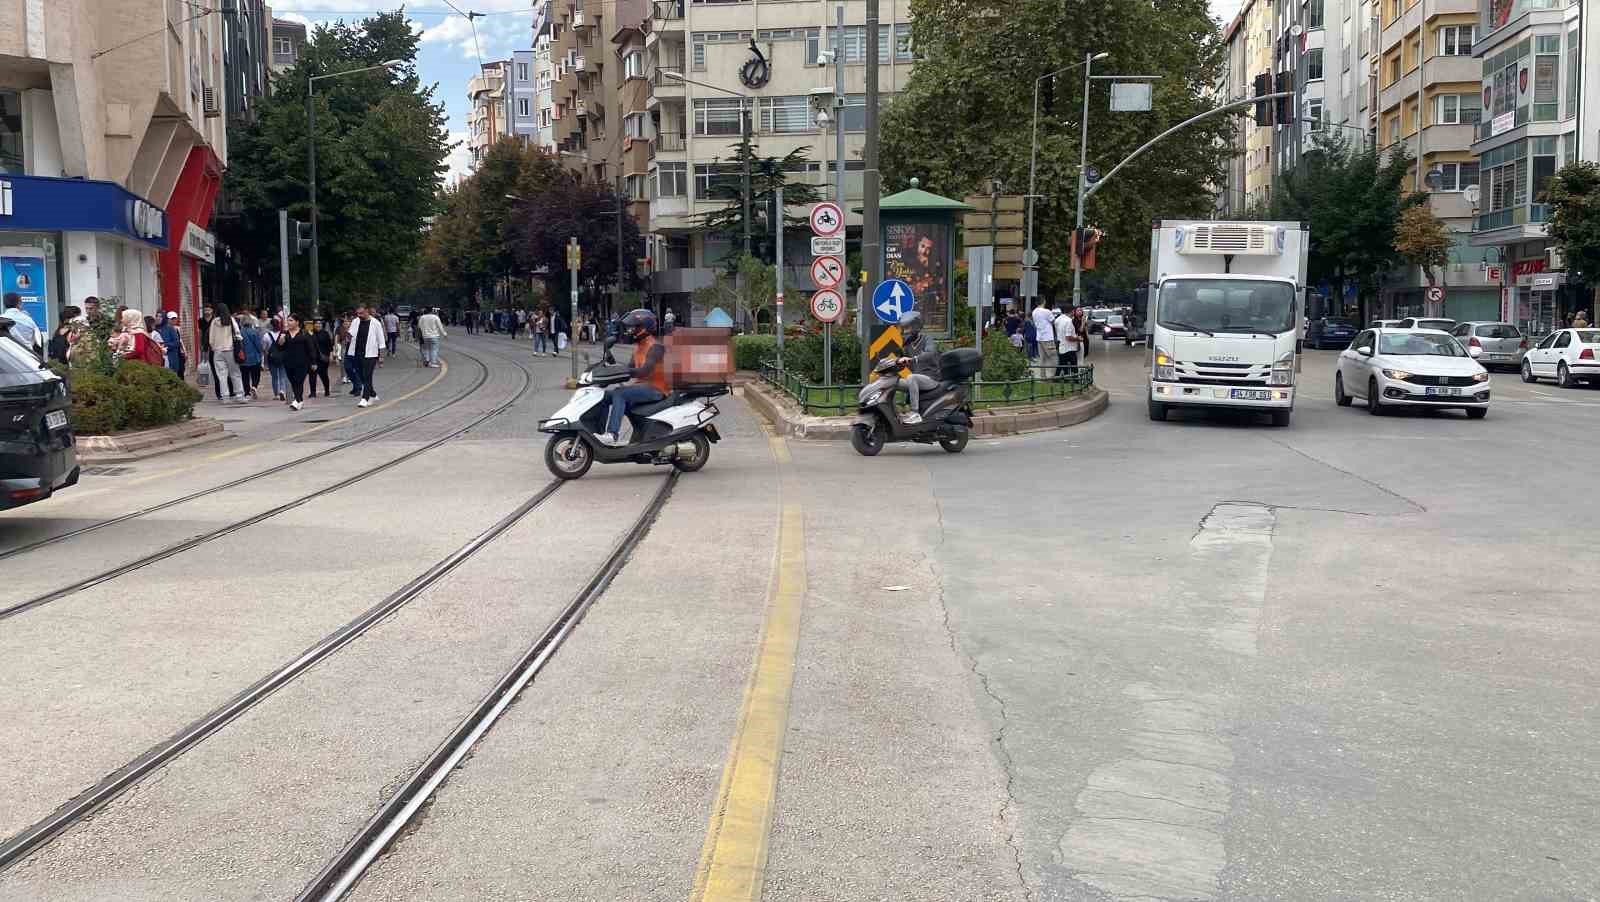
(444, 367)
(733, 861)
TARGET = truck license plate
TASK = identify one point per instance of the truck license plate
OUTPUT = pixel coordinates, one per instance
(1442, 392)
(55, 419)
(1250, 394)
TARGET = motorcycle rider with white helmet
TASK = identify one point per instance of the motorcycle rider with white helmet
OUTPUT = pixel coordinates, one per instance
(923, 360)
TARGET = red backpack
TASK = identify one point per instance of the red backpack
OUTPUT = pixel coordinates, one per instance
(146, 350)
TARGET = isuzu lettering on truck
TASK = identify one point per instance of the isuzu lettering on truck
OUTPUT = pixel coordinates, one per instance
(1226, 303)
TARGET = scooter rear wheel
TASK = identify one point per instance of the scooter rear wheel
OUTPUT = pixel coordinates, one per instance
(867, 440)
(567, 456)
(702, 453)
(956, 444)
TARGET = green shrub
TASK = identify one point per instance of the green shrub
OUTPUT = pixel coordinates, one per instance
(97, 404)
(750, 351)
(137, 396)
(1002, 362)
(803, 356)
(154, 395)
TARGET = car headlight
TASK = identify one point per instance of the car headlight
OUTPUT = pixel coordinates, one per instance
(1398, 375)
(1283, 370)
(1480, 377)
(1166, 369)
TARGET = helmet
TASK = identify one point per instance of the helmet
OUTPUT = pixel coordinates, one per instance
(911, 325)
(639, 323)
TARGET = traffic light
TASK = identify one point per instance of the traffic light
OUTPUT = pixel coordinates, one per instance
(1285, 105)
(1047, 94)
(301, 236)
(1263, 108)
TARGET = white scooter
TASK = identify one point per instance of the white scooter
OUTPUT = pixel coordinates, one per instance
(675, 431)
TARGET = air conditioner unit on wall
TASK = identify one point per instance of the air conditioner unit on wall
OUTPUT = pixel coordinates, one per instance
(209, 103)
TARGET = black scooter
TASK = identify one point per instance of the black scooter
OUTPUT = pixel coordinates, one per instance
(946, 412)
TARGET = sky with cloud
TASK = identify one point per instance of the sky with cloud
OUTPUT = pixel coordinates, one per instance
(452, 46)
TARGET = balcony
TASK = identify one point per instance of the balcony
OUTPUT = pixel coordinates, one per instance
(582, 108)
(1532, 214)
(581, 64)
(579, 20)
(667, 10)
(668, 143)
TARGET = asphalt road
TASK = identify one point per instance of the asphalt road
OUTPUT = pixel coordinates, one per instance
(1200, 659)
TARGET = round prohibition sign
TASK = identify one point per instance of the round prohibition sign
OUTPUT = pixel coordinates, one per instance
(827, 272)
(827, 305)
(827, 220)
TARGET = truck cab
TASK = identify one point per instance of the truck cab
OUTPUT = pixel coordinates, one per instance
(1226, 307)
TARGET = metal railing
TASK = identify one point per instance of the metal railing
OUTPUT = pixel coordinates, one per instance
(838, 400)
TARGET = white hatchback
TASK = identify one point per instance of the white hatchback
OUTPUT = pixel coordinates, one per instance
(1568, 356)
(1411, 368)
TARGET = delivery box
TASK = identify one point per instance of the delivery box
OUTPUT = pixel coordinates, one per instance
(701, 356)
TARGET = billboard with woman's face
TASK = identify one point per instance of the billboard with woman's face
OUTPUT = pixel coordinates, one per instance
(918, 253)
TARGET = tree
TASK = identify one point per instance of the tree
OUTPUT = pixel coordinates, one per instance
(541, 226)
(966, 114)
(767, 174)
(1351, 199)
(1422, 240)
(1574, 223)
(381, 146)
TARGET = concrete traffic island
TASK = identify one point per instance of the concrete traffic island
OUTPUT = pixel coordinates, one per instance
(137, 445)
(788, 418)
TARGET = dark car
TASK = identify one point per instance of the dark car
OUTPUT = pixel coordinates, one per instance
(1116, 327)
(1331, 332)
(37, 453)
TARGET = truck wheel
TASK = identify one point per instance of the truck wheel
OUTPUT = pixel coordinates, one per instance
(1158, 411)
(1281, 417)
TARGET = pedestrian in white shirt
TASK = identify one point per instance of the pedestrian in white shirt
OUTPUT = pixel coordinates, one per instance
(366, 345)
(431, 328)
(1066, 341)
(1044, 330)
(391, 329)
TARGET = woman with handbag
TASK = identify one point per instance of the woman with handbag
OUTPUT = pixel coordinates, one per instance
(227, 353)
(298, 351)
(323, 339)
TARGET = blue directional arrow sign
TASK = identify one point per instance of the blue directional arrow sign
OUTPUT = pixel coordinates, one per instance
(892, 299)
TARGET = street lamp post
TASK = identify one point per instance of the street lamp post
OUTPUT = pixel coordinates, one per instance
(1033, 158)
(311, 151)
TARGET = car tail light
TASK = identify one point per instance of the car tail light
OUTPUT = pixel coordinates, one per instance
(1588, 354)
(1475, 342)
(1523, 346)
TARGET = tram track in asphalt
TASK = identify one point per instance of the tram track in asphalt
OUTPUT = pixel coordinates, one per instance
(162, 554)
(401, 810)
(483, 378)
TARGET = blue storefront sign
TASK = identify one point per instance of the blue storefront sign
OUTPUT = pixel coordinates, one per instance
(38, 204)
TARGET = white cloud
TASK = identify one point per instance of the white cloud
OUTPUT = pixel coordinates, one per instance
(1225, 10)
(459, 160)
(293, 17)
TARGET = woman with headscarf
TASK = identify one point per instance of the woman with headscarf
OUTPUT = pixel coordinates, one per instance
(227, 353)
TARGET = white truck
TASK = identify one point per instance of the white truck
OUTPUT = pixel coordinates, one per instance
(1227, 302)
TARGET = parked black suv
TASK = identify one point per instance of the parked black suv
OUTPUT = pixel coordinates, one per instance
(37, 453)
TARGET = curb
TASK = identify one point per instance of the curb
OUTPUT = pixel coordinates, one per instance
(786, 417)
(128, 446)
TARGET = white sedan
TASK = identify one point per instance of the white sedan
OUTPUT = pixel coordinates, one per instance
(1568, 356)
(1411, 368)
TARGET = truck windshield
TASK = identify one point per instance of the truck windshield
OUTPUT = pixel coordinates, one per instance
(1227, 305)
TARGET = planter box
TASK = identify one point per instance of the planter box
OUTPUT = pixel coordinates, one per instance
(125, 446)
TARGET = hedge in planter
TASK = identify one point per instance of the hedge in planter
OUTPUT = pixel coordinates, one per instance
(136, 396)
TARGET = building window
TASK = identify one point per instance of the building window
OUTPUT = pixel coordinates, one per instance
(1394, 69)
(1394, 129)
(786, 114)
(710, 176)
(904, 49)
(1314, 65)
(1314, 14)
(1458, 109)
(634, 126)
(524, 107)
(672, 179)
(635, 186)
(1544, 165)
(633, 65)
(522, 72)
(718, 116)
(1546, 74)
(1314, 114)
(11, 132)
(1415, 50)
(283, 46)
(1457, 176)
(1456, 40)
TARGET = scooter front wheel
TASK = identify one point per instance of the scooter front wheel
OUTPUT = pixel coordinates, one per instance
(567, 455)
(867, 440)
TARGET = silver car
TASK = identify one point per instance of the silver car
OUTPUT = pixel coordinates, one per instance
(1498, 344)
(1426, 322)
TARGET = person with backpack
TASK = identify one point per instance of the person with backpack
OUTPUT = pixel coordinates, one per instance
(274, 358)
(134, 343)
(250, 341)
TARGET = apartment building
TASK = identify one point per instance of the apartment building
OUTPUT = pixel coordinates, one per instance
(1537, 93)
(588, 110)
(488, 123)
(112, 143)
(764, 54)
(1234, 84)
(1257, 34)
(288, 43)
(543, 77)
(523, 97)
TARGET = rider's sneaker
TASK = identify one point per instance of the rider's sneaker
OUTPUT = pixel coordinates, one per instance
(911, 419)
(610, 438)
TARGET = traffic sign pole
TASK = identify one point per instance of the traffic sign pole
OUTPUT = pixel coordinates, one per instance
(778, 255)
